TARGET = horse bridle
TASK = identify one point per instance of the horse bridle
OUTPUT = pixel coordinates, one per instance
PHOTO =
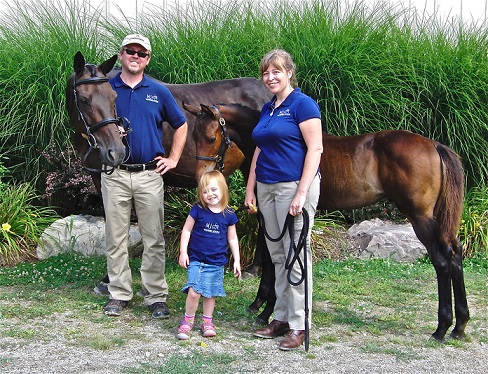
(224, 145)
(90, 130)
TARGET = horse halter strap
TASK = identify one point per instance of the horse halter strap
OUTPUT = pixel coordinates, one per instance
(224, 145)
(90, 130)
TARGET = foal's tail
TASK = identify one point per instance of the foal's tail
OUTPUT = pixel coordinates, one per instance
(451, 199)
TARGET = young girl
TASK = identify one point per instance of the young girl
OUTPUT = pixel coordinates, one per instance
(210, 226)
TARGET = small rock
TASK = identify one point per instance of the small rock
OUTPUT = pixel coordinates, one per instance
(83, 234)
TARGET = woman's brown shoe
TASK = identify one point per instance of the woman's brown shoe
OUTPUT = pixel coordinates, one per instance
(292, 340)
(274, 329)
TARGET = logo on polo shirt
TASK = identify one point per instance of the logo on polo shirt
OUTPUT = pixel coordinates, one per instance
(152, 98)
(212, 228)
(284, 113)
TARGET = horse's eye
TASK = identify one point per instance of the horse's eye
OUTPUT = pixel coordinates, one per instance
(84, 100)
(212, 139)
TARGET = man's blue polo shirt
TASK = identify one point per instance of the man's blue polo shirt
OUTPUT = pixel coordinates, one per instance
(146, 106)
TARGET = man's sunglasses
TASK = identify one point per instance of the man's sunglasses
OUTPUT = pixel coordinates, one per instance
(131, 52)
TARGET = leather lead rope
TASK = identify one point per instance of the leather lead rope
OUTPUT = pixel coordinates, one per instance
(294, 256)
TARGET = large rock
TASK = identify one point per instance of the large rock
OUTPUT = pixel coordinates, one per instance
(82, 234)
(380, 239)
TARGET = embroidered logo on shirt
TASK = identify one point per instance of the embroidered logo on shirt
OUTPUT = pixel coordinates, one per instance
(283, 113)
(152, 98)
(212, 228)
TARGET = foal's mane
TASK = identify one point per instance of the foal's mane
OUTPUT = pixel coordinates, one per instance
(245, 118)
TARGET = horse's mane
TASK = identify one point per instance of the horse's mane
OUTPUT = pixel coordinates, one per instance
(92, 68)
(239, 106)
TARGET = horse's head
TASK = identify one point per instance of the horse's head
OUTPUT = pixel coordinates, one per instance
(215, 149)
(90, 101)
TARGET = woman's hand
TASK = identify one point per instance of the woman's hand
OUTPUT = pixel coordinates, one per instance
(296, 206)
(250, 202)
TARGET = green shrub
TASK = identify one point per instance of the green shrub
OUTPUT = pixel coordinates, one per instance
(177, 205)
(22, 223)
(248, 224)
(69, 187)
(474, 223)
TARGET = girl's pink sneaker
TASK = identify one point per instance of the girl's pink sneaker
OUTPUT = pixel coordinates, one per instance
(208, 329)
(184, 330)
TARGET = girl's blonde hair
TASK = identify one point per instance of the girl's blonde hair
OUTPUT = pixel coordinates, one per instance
(282, 60)
(205, 180)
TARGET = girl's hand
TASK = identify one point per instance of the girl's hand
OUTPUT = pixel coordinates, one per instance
(184, 260)
(237, 269)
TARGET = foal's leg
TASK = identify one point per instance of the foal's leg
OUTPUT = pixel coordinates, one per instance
(441, 256)
(261, 296)
(266, 291)
(268, 279)
(460, 302)
(259, 254)
(101, 288)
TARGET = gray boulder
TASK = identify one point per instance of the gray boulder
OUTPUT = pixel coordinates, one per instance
(82, 234)
(380, 239)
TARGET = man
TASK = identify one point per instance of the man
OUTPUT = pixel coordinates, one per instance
(147, 104)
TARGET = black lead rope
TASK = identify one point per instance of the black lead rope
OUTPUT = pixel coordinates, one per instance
(294, 256)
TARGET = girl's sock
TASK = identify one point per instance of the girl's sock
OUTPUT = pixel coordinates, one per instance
(189, 319)
(207, 319)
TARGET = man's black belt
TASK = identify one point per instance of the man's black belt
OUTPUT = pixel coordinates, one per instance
(138, 167)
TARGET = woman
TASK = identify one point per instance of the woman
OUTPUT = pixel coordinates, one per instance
(285, 174)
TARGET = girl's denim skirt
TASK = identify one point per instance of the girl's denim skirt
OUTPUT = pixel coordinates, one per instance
(205, 279)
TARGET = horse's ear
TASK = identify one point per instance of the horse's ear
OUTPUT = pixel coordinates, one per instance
(190, 108)
(208, 110)
(108, 65)
(79, 63)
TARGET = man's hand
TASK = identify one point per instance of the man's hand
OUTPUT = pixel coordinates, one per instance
(164, 164)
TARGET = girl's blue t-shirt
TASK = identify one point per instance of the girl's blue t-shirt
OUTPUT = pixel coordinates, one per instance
(208, 240)
(146, 106)
(278, 135)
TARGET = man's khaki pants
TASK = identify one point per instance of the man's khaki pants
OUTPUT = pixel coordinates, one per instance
(144, 189)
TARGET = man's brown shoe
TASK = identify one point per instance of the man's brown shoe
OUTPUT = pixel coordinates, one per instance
(274, 329)
(292, 340)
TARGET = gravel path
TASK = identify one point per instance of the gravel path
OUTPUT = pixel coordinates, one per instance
(150, 346)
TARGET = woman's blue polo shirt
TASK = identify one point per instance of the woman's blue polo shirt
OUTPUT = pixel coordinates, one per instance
(280, 139)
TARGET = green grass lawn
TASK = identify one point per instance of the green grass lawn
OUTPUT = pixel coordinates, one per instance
(374, 296)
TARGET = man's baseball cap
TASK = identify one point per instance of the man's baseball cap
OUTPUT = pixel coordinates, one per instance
(137, 39)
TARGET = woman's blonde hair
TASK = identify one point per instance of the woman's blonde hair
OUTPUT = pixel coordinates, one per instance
(282, 60)
(205, 180)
